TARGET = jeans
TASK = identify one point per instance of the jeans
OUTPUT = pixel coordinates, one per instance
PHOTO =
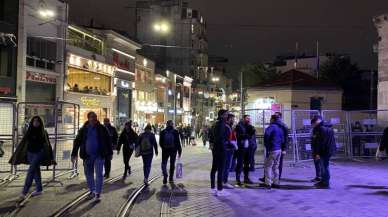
(252, 158)
(147, 161)
(126, 157)
(317, 165)
(218, 166)
(325, 171)
(166, 154)
(94, 165)
(243, 160)
(228, 164)
(33, 173)
(271, 167)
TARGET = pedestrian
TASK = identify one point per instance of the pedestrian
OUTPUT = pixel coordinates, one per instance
(171, 146)
(273, 142)
(34, 150)
(148, 144)
(113, 137)
(230, 149)
(205, 135)
(128, 139)
(323, 141)
(252, 147)
(181, 131)
(94, 145)
(244, 151)
(220, 139)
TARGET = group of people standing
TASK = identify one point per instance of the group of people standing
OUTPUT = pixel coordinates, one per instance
(232, 143)
(95, 144)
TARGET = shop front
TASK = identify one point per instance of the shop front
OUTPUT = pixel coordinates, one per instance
(89, 84)
(124, 101)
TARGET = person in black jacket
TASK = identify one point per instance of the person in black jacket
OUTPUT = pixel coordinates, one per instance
(113, 136)
(128, 139)
(171, 146)
(244, 149)
(147, 144)
(219, 139)
(94, 145)
(384, 141)
(323, 141)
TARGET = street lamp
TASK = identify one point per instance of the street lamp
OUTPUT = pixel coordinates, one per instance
(44, 11)
(162, 27)
(215, 79)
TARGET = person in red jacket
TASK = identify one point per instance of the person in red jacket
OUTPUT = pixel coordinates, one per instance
(230, 149)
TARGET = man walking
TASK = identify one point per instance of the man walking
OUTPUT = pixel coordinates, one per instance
(171, 146)
(219, 139)
(94, 145)
(273, 142)
(113, 137)
(324, 144)
(244, 151)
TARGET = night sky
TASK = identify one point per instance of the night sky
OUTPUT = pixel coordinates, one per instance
(259, 30)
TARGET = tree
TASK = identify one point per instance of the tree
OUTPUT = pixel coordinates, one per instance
(255, 74)
(338, 70)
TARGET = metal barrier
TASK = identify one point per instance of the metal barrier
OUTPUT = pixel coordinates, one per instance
(7, 136)
(61, 121)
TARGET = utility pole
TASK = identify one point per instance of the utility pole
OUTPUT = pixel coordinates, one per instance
(242, 93)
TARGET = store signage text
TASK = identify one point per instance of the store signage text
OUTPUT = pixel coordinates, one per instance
(40, 77)
(92, 102)
(90, 65)
(5, 90)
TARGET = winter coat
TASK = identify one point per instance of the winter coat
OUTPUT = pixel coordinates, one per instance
(243, 133)
(323, 141)
(105, 146)
(20, 154)
(128, 140)
(113, 135)
(274, 137)
(286, 131)
(221, 136)
(177, 142)
(151, 137)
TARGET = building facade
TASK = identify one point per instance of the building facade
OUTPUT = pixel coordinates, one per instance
(381, 23)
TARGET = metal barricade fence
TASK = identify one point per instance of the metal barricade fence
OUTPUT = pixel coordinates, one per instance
(365, 131)
(338, 119)
(61, 121)
(7, 126)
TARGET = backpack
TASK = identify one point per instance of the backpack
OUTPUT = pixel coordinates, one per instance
(145, 146)
(169, 139)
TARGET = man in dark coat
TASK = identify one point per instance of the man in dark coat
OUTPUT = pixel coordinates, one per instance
(128, 139)
(324, 147)
(220, 140)
(113, 137)
(171, 146)
(94, 145)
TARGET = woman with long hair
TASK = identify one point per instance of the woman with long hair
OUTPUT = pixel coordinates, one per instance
(128, 139)
(34, 150)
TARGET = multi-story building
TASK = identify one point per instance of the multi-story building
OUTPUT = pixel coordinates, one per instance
(9, 11)
(306, 64)
(41, 55)
(381, 23)
(89, 78)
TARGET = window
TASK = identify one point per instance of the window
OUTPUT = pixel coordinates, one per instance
(41, 53)
(6, 61)
(88, 82)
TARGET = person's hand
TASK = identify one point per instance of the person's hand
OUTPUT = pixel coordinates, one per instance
(317, 157)
(284, 152)
(74, 159)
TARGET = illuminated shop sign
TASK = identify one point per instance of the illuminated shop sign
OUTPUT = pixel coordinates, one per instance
(91, 65)
(147, 107)
(5, 90)
(40, 77)
(90, 102)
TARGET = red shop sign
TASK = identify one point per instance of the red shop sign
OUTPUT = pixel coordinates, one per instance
(40, 77)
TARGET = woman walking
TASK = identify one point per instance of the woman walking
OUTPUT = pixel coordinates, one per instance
(147, 144)
(128, 139)
(35, 150)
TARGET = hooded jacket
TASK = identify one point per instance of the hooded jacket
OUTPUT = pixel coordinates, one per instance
(274, 137)
(177, 143)
(323, 140)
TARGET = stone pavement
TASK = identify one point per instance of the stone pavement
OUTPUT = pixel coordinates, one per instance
(358, 190)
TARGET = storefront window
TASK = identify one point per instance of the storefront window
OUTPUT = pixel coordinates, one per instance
(88, 82)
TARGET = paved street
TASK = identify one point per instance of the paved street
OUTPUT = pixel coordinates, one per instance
(358, 189)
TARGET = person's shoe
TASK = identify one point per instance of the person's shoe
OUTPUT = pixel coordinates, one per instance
(36, 193)
(238, 183)
(222, 193)
(97, 198)
(321, 185)
(213, 191)
(146, 182)
(165, 180)
(316, 179)
(228, 186)
(22, 197)
(91, 195)
(262, 179)
(129, 171)
(275, 186)
(248, 181)
(106, 176)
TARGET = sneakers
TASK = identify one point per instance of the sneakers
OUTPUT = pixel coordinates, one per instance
(316, 179)
(91, 195)
(213, 191)
(22, 197)
(36, 193)
(222, 193)
(97, 198)
(164, 180)
(228, 186)
(106, 176)
(321, 185)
